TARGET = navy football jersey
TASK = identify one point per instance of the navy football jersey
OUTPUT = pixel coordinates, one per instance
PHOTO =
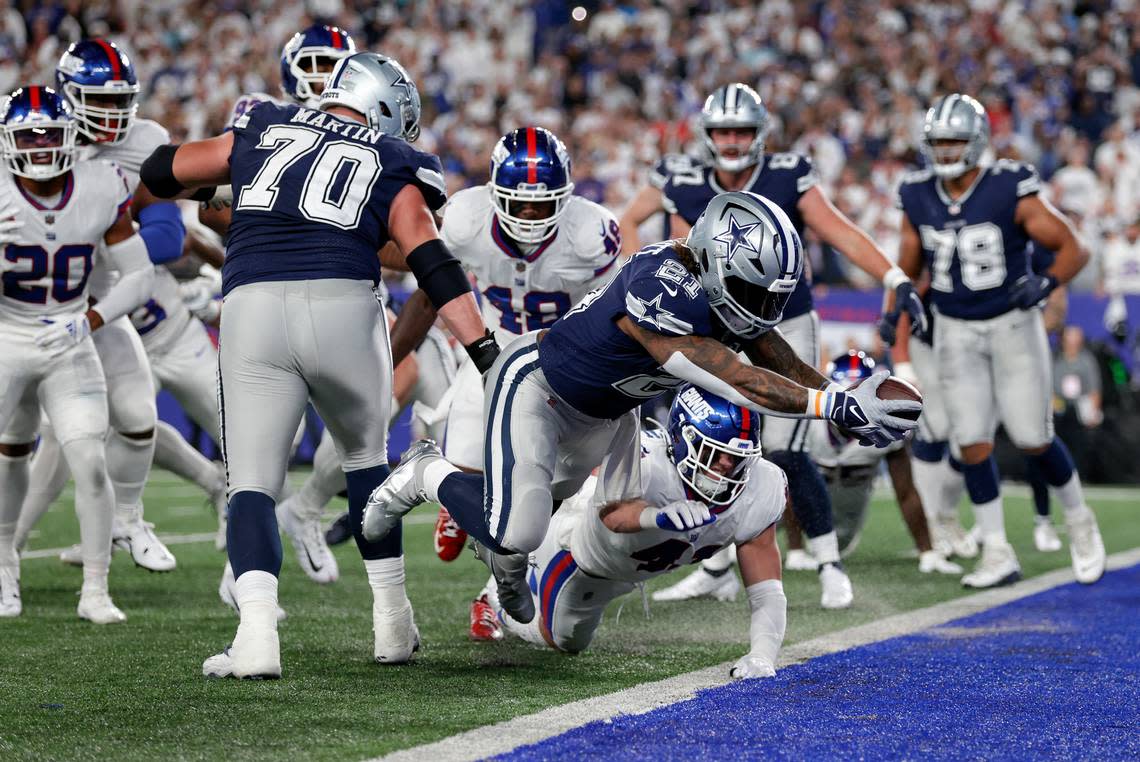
(972, 246)
(312, 193)
(780, 177)
(600, 370)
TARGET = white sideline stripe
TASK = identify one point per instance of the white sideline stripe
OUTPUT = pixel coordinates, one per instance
(187, 539)
(504, 736)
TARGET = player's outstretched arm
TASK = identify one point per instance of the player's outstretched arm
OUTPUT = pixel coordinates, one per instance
(191, 170)
(771, 350)
(646, 203)
(411, 225)
(851, 241)
(627, 516)
(759, 560)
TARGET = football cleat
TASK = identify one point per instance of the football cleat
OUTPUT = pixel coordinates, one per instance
(953, 540)
(701, 584)
(401, 491)
(932, 561)
(449, 538)
(1045, 537)
(313, 553)
(837, 592)
(511, 586)
(395, 635)
(255, 654)
(800, 560)
(227, 591)
(485, 625)
(339, 531)
(1086, 548)
(137, 537)
(10, 604)
(95, 605)
(72, 556)
(998, 566)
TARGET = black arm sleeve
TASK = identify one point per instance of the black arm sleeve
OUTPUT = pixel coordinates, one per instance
(438, 273)
(157, 172)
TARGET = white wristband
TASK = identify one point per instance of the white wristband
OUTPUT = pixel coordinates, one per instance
(769, 618)
(893, 277)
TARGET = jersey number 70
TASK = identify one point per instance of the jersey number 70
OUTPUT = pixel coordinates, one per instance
(290, 144)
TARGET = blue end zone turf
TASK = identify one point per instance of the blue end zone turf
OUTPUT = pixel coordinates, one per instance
(1052, 676)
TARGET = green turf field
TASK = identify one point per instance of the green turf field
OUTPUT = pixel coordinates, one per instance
(72, 690)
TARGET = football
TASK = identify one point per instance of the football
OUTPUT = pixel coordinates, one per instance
(894, 388)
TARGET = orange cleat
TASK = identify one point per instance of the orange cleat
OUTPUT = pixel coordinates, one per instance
(449, 538)
(485, 625)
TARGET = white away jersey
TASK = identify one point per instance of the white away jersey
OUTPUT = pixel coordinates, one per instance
(831, 449)
(528, 289)
(638, 556)
(45, 271)
(129, 154)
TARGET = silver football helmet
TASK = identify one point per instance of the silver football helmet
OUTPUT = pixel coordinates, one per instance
(735, 105)
(960, 118)
(378, 87)
(750, 259)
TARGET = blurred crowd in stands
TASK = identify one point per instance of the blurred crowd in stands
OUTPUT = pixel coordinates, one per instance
(621, 82)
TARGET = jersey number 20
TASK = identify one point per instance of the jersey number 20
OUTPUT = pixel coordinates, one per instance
(356, 166)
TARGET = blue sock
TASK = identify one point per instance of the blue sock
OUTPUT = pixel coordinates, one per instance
(982, 481)
(360, 486)
(956, 464)
(252, 541)
(1056, 463)
(928, 452)
(1040, 488)
(462, 495)
(811, 501)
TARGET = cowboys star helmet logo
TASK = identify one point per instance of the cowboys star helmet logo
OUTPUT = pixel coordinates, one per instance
(736, 238)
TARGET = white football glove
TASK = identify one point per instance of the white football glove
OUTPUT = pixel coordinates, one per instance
(64, 333)
(680, 516)
(198, 296)
(905, 371)
(749, 666)
(10, 225)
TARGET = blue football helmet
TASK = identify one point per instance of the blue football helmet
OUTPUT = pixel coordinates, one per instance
(530, 164)
(702, 427)
(850, 368)
(37, 133)
(379, 88)
(99, 81)
(308, 59)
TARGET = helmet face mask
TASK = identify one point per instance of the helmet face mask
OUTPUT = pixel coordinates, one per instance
(379, 88)
(99, 82)
(750, 259)
(39, 142)
(712, 443)
(733, 107)
(309, 58)
(530, 166)
(955, 135)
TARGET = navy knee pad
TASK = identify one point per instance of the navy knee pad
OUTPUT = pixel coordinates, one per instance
(929, 452)
(252, 540)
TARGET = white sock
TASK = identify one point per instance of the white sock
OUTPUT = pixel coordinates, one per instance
(128, 465)
(825, 548)
(386, 578)
(928, 482)
(257, 597)
(990, 517)
(176, 455)
(94, 502)
(14, 472)
(49, 475)
(1072, 498)
(953, 486)
(720, 560)
(323, 484)
(94, 578)
(434, 474)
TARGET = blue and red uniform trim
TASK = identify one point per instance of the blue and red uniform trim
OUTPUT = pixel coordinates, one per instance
(554, 577)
